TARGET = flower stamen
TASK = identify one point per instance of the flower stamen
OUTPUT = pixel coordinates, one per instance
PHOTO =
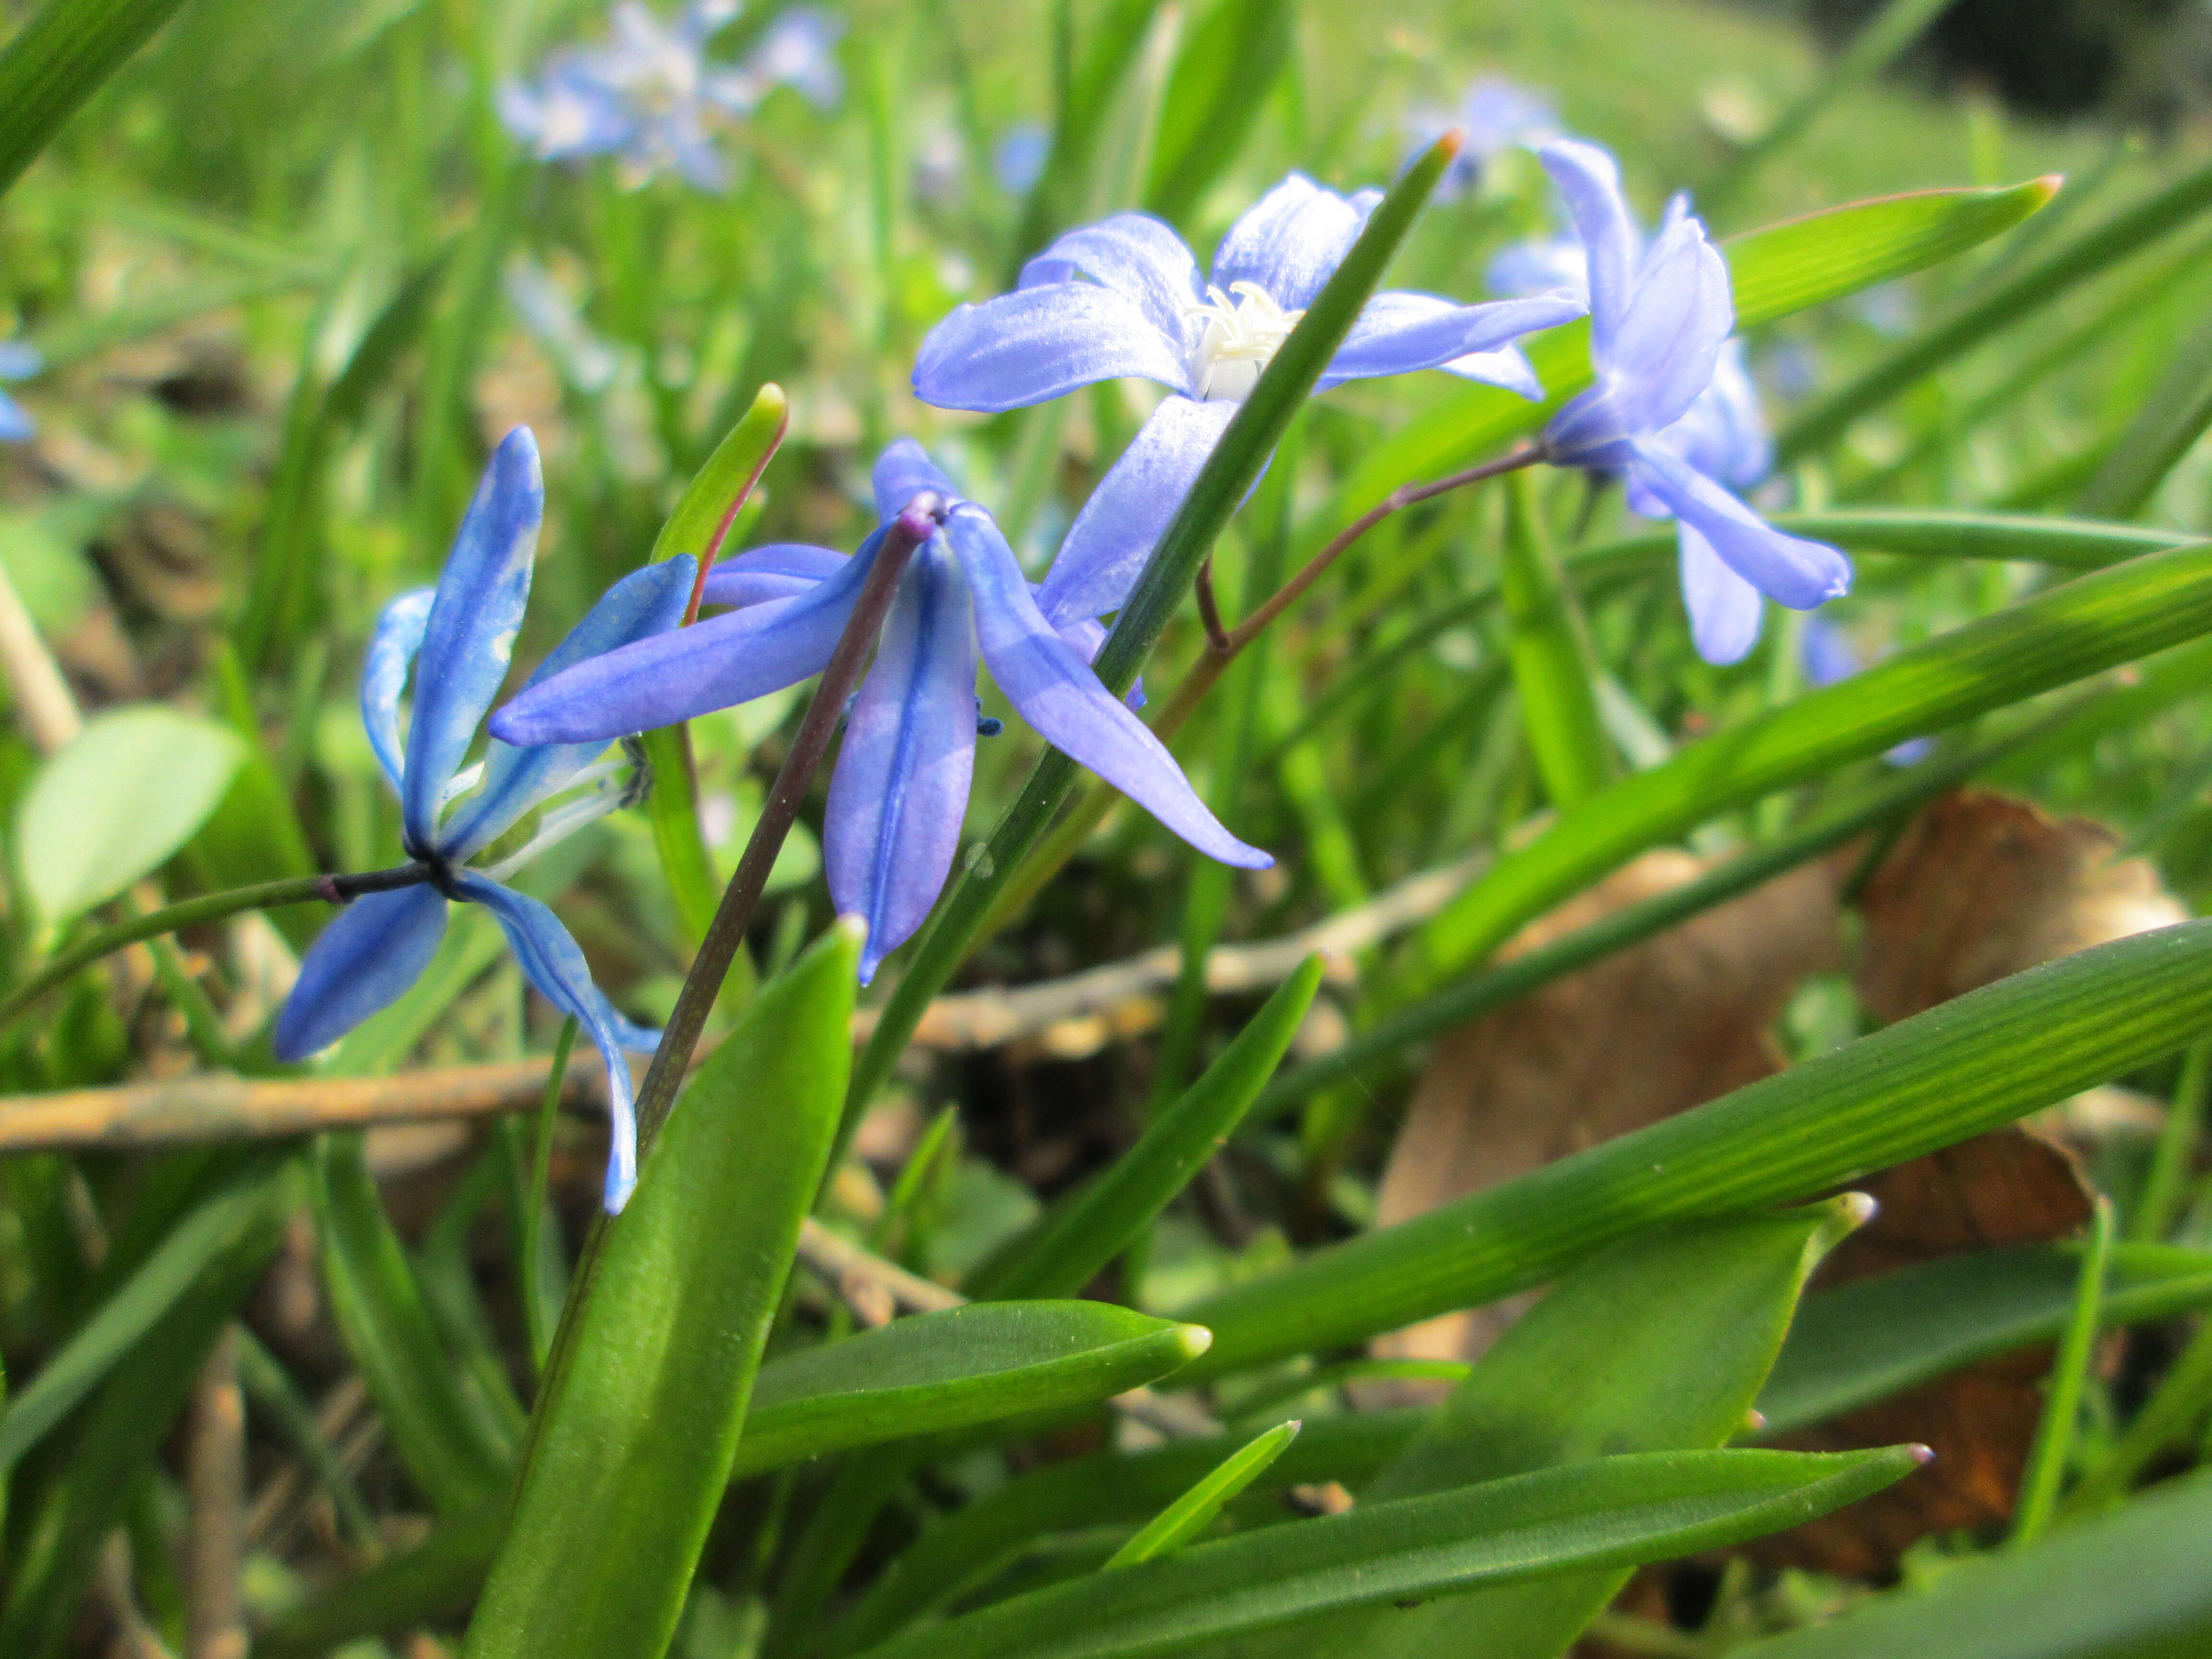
(1241, 337)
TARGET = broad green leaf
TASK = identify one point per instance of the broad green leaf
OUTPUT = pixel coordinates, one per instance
(1553, 669)
(718, 489)
(946, 1370)
(1983, 313)
(1196, 1510)
(1610, 1511)
(59, 59)
(243, 1209)
(1937, 533)
(1978, 1062)
(125, 794)
(1098, 1226)
(1658, 1344)
(639, 1418)
(2092, 623)
(1222, 484)
(963, 1546)
(2133, 1583)
(454, 1442)
(1221, 77)
(1781, 268)
(1876, 1337)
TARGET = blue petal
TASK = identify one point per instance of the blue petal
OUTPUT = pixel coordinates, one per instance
(730, 659)
(1113, 535)
(1038, 344)
(1800, 574)
(552, 962)
(799, 49)
(646, 603)
(1293, 240)
(471, 632)
(391, 651)
(1086, 637)
(1398, 333)
(1590, 180)
(904, 471)
(1505, 368)
(1049, 681)
(373, 949)
(1137, 257)
(1722, 434)
(1725, 608)
(1669, 339)
(781, 570)
(19, 360)
(900, 791)
(1542, 264)
(1825, 654)
(15, 427)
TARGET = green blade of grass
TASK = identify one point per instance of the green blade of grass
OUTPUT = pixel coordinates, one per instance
(1196, 1510)
(59, 59)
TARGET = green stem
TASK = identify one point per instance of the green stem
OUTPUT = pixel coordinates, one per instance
(2062, 1405)
(2161, 1202)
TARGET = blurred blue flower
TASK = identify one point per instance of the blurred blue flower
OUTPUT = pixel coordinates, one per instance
(1826, 656)
(1495, 115)
(1123, 298)
(900, 790)
(18, 361)
(1018, 160)
(458, 638)
(1542, 264)
(1659, 316)
(652, 98)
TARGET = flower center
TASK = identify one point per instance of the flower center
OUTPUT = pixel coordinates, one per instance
(1241, 336)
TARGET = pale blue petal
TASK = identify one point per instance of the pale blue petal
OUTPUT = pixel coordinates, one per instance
(1086, 636)
(1549, 265)
(19, 360)
(1722, 434)
(470, 633)
(1111, 537)
(715, 664)
(904, 471)
(1825, 655)
(552, 962)
(1800, 574)
(391, 648)
(799, 49)
(646, 603)
(1398, 333)
(900, 791)
(638, 1039)
(1505, 368)
(1593, 429)
(1049, 681)
(781, 570)
(1724, 609)
(1137, 257)
(1038, 344)
(373, 949)
(1669, 338)
(15, 427)
(1589, 180)
(1293, 240)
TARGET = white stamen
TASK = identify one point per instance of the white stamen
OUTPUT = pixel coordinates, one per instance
(556, 826)
(1240, 337)
(461, 782)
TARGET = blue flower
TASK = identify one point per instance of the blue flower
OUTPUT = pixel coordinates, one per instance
(459, 637)
(653, 97)
(1658, 316)
(18, 361)
(1495, 115)
(900, 790)
(1124, 298)
(1018, 159)
(1542, 264)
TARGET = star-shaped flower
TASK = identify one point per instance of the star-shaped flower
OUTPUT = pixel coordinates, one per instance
(900, 790)
(458, 637)
(1659, 316)
(1124, 298)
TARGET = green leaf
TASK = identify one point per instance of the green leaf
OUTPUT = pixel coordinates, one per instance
(1775, 271)
(1978, 1062)
(126, 793)
(947, 1370)
(1553, 669)
(1120, 1204)
(1876, 1337)
(639, 1419)
(1221, 485)
(243, 1209)
(2166, 428)
(1196, 1510)
(1221, 78)
(2134, 1583)
(1985, 311)
(1611, 1512)
(59, 59)
(1922, 532)
(453, 1440)
(2090, 623)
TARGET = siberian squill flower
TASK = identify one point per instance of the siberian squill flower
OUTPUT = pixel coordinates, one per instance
(459, 637)
(18, 361)
(900, 789)
(1495, 115)
(1658, 318)
(1123, 297)
(653, 97)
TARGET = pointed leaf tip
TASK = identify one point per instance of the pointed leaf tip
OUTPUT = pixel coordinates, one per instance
(1193, 1340)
